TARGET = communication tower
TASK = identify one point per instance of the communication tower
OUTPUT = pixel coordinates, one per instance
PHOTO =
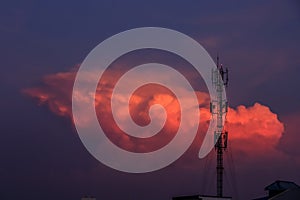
(218, 109)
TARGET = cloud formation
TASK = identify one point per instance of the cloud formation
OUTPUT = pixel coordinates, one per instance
(254, 129)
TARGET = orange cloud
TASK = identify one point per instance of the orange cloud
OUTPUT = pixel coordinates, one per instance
(252, 129)
(56, 92)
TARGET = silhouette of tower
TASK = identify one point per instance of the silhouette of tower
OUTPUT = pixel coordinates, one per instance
(218, 109)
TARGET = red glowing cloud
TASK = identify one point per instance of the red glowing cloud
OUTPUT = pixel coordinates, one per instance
(56, 92)
(252, 129)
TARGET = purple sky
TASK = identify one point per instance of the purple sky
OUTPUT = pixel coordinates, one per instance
(41, 153)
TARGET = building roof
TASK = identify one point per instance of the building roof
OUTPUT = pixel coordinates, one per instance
(288, 194)
(262, 198)
(201, 197)
(282, 185)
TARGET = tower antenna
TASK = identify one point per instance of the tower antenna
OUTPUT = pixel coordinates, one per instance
(218, 109)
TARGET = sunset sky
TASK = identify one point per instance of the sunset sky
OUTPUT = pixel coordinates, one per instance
(43, 45)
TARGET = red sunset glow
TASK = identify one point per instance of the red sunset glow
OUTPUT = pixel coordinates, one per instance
(255, 126)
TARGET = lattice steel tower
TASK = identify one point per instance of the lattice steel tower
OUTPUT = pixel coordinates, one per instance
(218, 109)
